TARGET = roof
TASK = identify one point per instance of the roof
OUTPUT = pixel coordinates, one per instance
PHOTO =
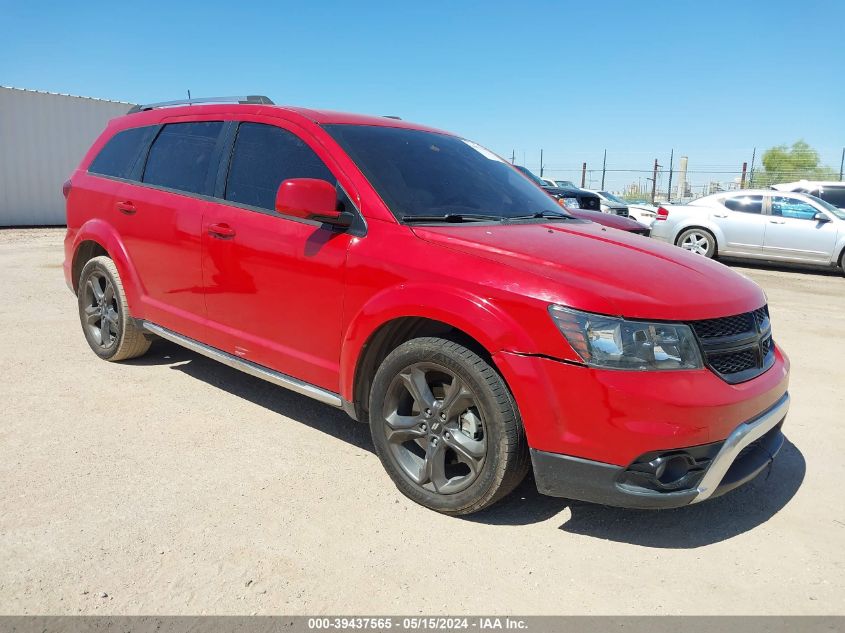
(790, 186)
(63, 94)
(320, 117)
(328, 117)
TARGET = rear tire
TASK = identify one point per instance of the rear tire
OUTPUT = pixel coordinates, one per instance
(698, 241)
(108, 326)
(446, 427)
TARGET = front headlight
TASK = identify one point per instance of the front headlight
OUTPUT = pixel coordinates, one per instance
(616, 343)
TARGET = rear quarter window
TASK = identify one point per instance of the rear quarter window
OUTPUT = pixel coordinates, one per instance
(122, 153)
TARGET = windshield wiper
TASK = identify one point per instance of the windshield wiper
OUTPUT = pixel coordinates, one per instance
(545, 213)
(452, 217)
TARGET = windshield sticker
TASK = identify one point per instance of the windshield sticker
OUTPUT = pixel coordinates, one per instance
(483, 151)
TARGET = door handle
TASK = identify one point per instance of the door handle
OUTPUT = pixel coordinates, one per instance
(221, 231)
(778, 221)
(126, 207)
(720, 215)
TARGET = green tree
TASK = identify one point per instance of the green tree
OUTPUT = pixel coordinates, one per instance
(785, 164)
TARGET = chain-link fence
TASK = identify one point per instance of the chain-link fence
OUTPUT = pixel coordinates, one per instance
(682, 178)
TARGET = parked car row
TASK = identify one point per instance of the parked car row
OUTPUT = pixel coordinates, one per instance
(588, 205)
(779, 224)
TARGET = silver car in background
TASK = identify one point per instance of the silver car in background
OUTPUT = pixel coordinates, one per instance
(756, 224)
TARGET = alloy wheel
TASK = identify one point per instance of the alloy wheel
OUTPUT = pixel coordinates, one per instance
(434, 429)
(101, 314)
(698, 243)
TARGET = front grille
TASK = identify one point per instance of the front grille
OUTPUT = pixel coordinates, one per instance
(733, 362)
(738, 347)
(623, 211)
(727, 326)
(590, 203)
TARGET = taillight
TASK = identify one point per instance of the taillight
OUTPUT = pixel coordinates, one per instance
(66, 188)
(662, 214)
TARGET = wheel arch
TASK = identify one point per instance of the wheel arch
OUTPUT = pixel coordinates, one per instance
(84, 252)
(393, 317)
(96, 238)
(840, 248)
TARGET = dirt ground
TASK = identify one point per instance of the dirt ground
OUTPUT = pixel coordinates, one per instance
(175, 485)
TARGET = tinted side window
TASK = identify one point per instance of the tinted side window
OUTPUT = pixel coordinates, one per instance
(264, 156)
(746, 204)
(122, 152)
(179, 158)
(787, 207)
(834, 195)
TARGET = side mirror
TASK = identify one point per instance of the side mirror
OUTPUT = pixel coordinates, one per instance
(311, 199)
(821, 217)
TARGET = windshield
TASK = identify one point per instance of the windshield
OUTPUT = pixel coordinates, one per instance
(609, 196)
(420, 173)
(839, 213)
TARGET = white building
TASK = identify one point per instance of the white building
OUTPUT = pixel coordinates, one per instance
(43, 136)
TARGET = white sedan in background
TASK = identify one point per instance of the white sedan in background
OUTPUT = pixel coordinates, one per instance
(642, 213)
(756, 224)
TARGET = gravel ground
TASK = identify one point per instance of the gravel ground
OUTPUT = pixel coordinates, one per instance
(175, 485)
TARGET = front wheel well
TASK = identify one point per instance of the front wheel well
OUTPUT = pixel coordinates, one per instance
(85, 252)
(390, 336)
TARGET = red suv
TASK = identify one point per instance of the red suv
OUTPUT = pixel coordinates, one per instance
(422, 284)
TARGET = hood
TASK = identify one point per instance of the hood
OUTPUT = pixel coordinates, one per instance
(570, 192)
(607, 219)
(590, 267)
(613, 205)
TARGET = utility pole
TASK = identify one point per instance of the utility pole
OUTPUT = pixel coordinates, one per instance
(654, 182)
(604, 168)
(842, 163)
(583, 174)
(742, 178)
(513, 156)
(671, 164)
(541, 163)
(751, 173)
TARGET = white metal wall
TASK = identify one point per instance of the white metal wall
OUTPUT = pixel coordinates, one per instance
(43, 136)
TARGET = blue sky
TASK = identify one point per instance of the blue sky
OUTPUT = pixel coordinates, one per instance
(710, 80)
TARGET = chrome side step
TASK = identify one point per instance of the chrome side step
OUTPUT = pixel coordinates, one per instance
(253, 369)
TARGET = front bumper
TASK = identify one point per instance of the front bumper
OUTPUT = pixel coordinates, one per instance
(716, 468)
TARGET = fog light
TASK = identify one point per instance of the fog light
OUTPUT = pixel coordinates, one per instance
(674, 467)
(670, 470)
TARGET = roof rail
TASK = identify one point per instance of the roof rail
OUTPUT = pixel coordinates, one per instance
(250, 99)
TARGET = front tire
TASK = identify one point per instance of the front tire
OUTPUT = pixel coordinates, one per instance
(104, 314)
(698, 241)
(445, 427)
